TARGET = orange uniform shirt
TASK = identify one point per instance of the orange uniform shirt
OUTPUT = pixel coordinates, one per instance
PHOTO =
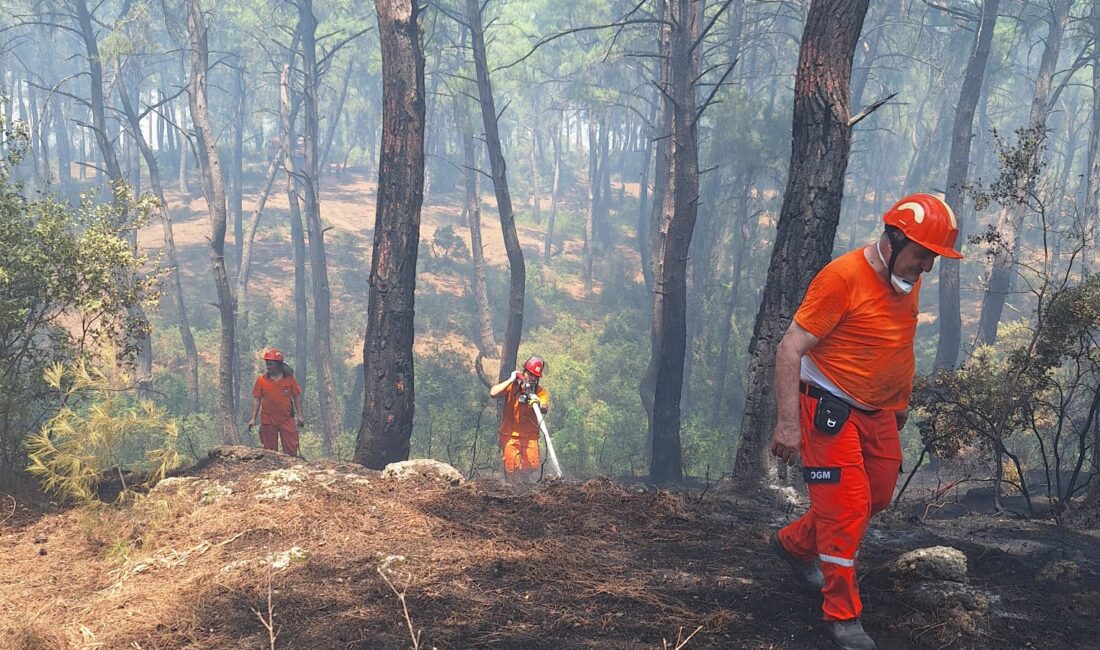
(518, 419)
(277, 398)
(866, 331)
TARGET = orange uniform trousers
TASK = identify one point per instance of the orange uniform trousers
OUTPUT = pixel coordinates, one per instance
(521, 454)
(850, 476)
(271, 434)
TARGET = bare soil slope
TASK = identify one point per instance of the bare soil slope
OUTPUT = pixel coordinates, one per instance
(486, 565)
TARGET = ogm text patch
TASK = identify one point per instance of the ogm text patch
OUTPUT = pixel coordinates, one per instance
(821, 474)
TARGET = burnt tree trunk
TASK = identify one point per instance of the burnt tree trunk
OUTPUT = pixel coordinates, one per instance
(745, 232)
(330, 135)
(962, 133)
(555, 139)
(214, 191)
(1012, 217)
(1092, 184)
(590, 207)
(518, 272)
(821, 140)
(171, 260)
(318, 260)
(236, 171)
(106, 142)
(680, 206)
(387, 351)
(486, 340)
(297, 235)
(662, 171)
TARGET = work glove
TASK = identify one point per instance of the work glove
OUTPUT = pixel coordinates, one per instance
(514, 377)
(250, 425)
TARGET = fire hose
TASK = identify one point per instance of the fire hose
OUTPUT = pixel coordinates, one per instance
(554, 466)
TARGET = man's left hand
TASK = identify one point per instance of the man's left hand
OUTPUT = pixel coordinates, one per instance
(301, 422)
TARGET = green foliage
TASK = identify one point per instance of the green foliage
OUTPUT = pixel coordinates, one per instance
(69, 283)
(97, 432)
(1038, 380)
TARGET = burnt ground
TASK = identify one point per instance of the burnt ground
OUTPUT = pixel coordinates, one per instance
(485, 565)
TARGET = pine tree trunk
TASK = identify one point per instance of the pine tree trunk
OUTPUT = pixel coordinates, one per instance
(745, 233)
(669, 335)
(387, 351)
(297, 234)
(822, 138)
(555, 138)
(536, 180)
(518, 272)
(486, 340)
(590, 207)
(171, 259)
(1092, 185)
(318, 260)
(236, 171)
(215, 198)
(102, 130)
(662, 172)
(962, 133)
(1012, 217)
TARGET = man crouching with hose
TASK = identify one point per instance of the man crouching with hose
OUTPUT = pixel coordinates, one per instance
(519, 425)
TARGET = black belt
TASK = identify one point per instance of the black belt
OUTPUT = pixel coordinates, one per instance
(817, 392)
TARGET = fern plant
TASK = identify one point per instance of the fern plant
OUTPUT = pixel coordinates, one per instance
(98, 431)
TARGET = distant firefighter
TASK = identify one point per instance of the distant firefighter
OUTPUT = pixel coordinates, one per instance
(519, 427)
(277, 400)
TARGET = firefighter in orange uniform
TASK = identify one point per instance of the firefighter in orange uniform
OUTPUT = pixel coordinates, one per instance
(277, 400)
(519, 427)
(843, 376)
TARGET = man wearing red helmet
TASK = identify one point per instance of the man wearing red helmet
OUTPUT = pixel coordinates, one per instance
(277, 399)
(843, 376)
(519, 427)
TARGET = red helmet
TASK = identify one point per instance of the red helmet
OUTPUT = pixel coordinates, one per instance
(273, 355)
(535, 365)
(928, 221)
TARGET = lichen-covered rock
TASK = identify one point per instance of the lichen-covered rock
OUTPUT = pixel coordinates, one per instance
(933, 563)
(279, 485)
(422, 467)
(174, 483)
(213, 493)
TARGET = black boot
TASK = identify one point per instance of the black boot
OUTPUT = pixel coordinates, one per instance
(808, 573)
(849, 635)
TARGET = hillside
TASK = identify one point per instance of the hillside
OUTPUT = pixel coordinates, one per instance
(210, 554)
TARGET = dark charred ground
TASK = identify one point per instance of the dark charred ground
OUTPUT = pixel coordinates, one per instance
(485, 565)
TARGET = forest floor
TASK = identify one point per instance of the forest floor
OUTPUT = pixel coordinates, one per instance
(331, 555)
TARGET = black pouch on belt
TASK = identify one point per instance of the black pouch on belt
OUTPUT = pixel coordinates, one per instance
(831, 414)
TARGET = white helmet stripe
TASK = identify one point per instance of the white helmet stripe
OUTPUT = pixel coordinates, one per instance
(916, 208)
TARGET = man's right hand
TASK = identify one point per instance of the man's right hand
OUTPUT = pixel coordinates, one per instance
(250, 423)
(785, 441)
(514, 377)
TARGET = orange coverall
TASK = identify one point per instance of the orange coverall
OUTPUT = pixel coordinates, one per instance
(866, 350)
(276, 418)
(519, 431)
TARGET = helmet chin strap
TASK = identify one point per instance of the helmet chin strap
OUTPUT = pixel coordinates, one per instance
(900, 285)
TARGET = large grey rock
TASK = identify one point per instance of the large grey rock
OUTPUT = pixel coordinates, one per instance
(422, 467)
(933, 563)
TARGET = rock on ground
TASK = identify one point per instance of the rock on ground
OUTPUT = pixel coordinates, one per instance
(422, 467)
(933, 563)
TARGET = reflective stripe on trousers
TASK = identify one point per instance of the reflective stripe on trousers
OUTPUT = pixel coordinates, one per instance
(867, 452)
